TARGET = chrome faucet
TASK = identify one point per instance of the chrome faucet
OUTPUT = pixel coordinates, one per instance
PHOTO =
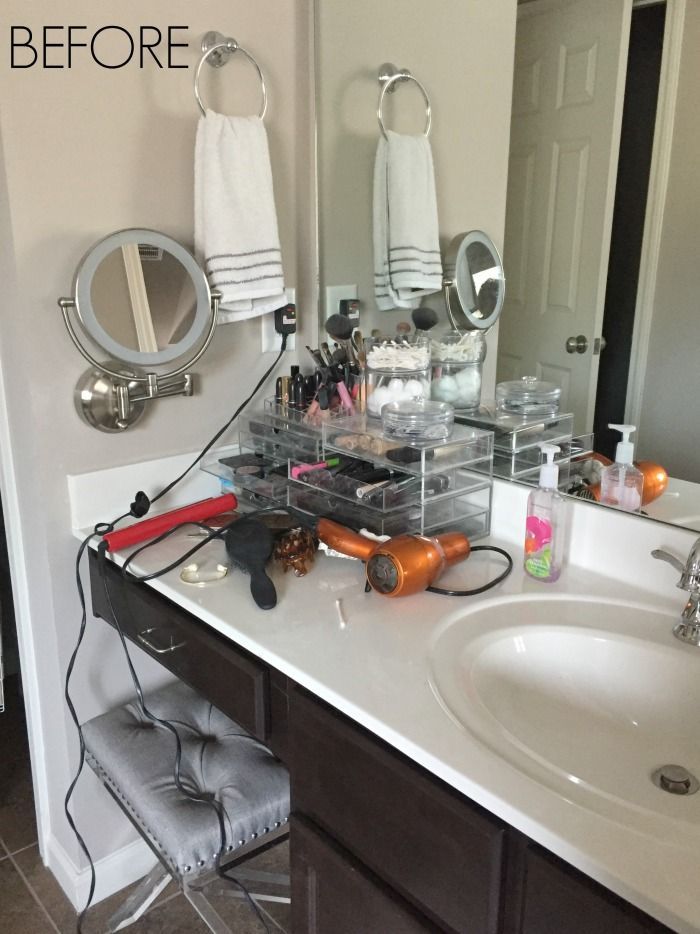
(688, 630)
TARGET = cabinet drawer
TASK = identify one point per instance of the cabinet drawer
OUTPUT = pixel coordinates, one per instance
(332, 893)
(550, 892)
(438, 850)
(228, 676)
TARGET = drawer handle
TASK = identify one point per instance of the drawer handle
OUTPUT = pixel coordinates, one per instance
(142, 637)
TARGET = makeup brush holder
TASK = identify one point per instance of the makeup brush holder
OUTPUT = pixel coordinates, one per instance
(395, 371)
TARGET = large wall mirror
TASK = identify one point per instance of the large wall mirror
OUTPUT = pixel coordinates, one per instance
(603, 279)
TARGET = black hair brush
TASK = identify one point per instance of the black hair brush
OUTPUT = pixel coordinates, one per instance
(249, 544)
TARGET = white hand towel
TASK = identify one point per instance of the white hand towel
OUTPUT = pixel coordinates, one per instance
(407, 263)
(235, 222)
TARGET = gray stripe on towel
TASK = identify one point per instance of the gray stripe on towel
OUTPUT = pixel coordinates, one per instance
(270, 262)
(272, 249)
(417, 249)
(244, 281)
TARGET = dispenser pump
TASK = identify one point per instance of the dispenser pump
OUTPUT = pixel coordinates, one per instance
(624, 453)
(549, 471)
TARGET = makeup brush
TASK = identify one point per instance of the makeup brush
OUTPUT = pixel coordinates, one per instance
(249, 544)
(340, 329)
(424, 318)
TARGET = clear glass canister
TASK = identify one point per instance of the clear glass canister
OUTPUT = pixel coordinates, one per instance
(457, 363)
(528, 396)
(395, 371)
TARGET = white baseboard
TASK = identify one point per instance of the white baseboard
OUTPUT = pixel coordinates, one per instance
(113, 872)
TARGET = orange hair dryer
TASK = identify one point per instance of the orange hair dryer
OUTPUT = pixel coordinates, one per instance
(403, 565)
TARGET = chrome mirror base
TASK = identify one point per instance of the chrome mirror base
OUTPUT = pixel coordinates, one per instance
(96, 401)
(113, 405)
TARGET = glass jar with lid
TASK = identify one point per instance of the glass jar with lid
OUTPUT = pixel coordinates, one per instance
(457, 364)
(395, 371)
(528, 396)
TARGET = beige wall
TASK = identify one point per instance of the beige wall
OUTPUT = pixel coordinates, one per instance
(86, 151)
(463, 53)
(668, 432)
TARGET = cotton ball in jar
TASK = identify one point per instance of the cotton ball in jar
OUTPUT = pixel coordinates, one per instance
(378, 398)
(445, 389)
(413, 389)
(396, 388)
(469, 386)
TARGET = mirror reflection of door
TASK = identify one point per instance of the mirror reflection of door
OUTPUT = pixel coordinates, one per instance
(567, 112)
(143, 297)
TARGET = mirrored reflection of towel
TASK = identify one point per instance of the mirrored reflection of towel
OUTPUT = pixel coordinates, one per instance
(407, 263)
(235, 222)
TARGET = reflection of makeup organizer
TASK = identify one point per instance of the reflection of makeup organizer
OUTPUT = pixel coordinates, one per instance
(445, 486)
(516, 444)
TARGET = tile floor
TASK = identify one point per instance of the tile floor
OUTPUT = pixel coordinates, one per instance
(32, 902)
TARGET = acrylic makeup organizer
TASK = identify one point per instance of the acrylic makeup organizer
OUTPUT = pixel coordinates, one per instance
(517, 439)
(447, 487)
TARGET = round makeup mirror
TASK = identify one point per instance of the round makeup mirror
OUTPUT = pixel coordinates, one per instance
(142, 299)
(474, 283)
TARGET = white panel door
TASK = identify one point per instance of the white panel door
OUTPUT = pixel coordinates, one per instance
(570, 63)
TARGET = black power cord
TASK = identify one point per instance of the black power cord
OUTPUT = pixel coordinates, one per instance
(485, 587)
(138, 509)
(200, 797)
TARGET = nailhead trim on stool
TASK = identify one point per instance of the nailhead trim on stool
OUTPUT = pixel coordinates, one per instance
(136, 759)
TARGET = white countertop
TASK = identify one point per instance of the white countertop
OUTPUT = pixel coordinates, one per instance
(375, 670)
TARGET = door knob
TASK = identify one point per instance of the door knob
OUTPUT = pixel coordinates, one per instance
(577, 344)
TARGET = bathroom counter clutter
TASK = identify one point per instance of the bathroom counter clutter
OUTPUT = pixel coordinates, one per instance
(385, 664)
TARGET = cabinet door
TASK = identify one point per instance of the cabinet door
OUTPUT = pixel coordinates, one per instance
(439, 851)
(553, 897)
(332, 893)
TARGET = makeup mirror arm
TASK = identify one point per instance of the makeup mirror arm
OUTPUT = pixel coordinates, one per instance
(446, 286)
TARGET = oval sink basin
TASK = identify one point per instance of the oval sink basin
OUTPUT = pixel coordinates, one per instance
(589, 697)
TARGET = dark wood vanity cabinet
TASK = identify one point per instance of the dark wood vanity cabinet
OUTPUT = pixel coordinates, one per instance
(545, 895)
(236, 682)
(378, 844)
(381, 846)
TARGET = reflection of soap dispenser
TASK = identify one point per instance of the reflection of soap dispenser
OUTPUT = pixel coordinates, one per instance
(622, 484)
(544, 527)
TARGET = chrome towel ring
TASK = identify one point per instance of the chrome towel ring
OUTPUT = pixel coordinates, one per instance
(389, 76)
(217, 50)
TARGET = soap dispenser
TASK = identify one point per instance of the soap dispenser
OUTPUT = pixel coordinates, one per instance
(544, 526)
(622, 484)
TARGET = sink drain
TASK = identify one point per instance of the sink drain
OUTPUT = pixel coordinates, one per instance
(675, 780)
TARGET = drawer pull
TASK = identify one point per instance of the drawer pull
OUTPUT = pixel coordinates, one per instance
(142, 637)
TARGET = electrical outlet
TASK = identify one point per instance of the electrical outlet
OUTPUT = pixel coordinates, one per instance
(271, 340)
(334, 293)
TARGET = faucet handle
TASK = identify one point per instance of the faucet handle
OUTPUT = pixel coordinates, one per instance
(690, 571)
(666, 556)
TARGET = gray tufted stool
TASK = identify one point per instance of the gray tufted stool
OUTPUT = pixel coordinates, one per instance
(135, 759)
